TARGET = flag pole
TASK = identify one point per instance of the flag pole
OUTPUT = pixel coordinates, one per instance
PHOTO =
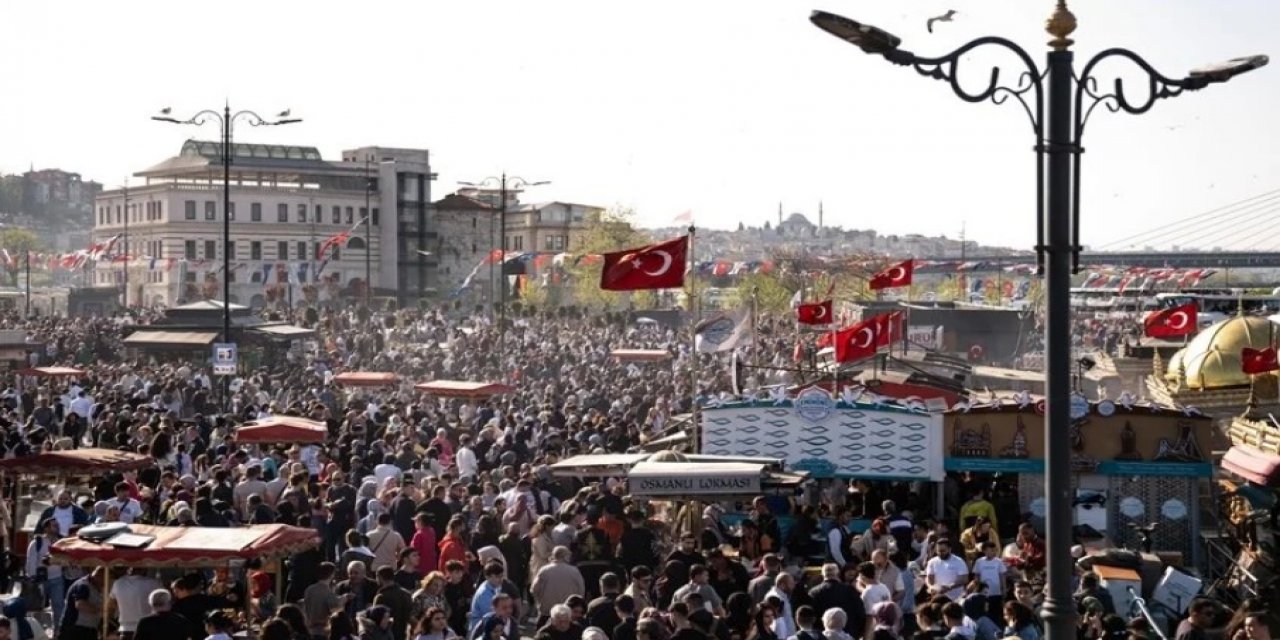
(692, 293)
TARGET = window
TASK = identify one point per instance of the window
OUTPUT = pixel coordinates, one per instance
(118, 218)
(337, 214)
(351, 212)
(364, 213)
(516, 242)
(189, 210)
(335, 253)
(282, 213)
(210, 250)
(189, 250)
(282, 250)
(210, 210)
(473, 221)
(302, 250)
(315, 251)
(554, 243)
(231, 250)
(231, 211)
(255, 212)
(255, 250)
(190, 277)
(373, 218)
(302, 212)
(319, 213)
(231, 276)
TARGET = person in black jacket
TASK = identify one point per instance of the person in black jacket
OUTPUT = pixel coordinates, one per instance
(636, 548)
(163, 624)
(601, 612)
(834, 594)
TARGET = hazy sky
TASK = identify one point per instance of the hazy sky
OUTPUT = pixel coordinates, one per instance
(722, 107)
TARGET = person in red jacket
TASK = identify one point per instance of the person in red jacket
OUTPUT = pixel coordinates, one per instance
(424, 542)
(453, 547)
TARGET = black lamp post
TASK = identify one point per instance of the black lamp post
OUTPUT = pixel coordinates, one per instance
(1058, 124)
(504, 183)
(226, 121)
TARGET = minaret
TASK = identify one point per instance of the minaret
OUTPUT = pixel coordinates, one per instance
(779, 213)
(819, 215)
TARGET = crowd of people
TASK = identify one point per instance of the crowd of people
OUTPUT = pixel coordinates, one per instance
(440, 518)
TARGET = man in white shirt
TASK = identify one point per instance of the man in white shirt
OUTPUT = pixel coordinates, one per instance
(130, 509)
(991, 570)
(465, 458)
(784, 622)
(873, 593)
(82, 406)
(945, 573)
(132, 594)
(387, 469)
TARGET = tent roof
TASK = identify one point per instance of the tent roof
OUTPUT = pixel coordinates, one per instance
(366, 378)
(75, 460)
(640, 355)
(53, 372)
(1258, 467)
(171, 338)
(189, 546)
(464, 388)
(282, 429)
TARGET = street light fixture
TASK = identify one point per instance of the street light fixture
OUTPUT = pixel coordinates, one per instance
(226, 121)
(503, 183)
(1058, 123)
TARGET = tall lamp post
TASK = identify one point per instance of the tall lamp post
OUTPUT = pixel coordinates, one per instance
(1058, 123)
(226, 121)
(124, 275)
(504, 183)
(368, 235)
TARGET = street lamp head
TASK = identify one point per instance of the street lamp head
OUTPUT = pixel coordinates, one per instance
(286, 121)
(873, 40)
(1224, 71)
(166, 119)
(467, 184)
(539, 183)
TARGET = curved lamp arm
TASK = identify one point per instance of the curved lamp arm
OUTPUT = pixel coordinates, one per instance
(1159, 87)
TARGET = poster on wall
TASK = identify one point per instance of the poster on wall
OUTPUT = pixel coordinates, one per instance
(925, 336)
(829, 438)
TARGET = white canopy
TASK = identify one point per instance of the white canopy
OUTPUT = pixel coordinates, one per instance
(681, 479)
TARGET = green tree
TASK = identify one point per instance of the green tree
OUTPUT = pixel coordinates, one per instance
(17, 242)
(612, 230)
(773, 295)
(11, 194)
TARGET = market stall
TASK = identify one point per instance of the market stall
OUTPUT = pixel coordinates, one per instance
(282, 430)
(58, 468)
(52, 372)
(367, 379)
(157, 547)
(464, 389)
(641, 355)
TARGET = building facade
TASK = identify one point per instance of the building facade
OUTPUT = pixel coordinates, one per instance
(286, 201)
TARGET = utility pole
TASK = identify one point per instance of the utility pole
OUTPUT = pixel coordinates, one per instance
(124, 300)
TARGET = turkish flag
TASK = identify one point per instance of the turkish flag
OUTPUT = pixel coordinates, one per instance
(814, 313)
(899, 275)
(1259, 360)
(856, 342)
(888, 328)
(1172, 322)
(657, 266)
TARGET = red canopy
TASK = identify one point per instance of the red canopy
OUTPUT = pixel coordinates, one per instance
(464, 388)
(75, 461)
(1258, 467)
(53, 372)
(282, 429)
(189, 547)
(367, 379)
(640, 355)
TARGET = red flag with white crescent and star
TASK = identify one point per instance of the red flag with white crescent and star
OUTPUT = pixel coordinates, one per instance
(856, 342)
(888, 328)
(1172, 322)
(814, 313)
(899, 275)
(657, 266)
(1255, 361)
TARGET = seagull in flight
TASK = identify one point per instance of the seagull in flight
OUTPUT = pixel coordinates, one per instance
(946, 17)
(165, 111)
(283, 114)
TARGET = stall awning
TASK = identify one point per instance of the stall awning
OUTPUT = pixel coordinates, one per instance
(189, 547)
(147, 337)
(52, 372)
(284, 331)
(651, 479)
(1258, 467)
(598, 465)
(464, 388)
(75, 461)
(282, 430)
(640, 355)
(367, 379)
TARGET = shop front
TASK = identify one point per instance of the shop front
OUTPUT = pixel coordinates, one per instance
(1134, 465)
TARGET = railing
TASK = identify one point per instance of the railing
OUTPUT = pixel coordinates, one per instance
(1141, 606)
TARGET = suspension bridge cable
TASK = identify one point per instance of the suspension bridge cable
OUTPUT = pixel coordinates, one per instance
(1197, 217)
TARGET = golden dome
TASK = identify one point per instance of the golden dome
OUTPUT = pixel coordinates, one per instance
(1212, 359)
(1175, 362)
